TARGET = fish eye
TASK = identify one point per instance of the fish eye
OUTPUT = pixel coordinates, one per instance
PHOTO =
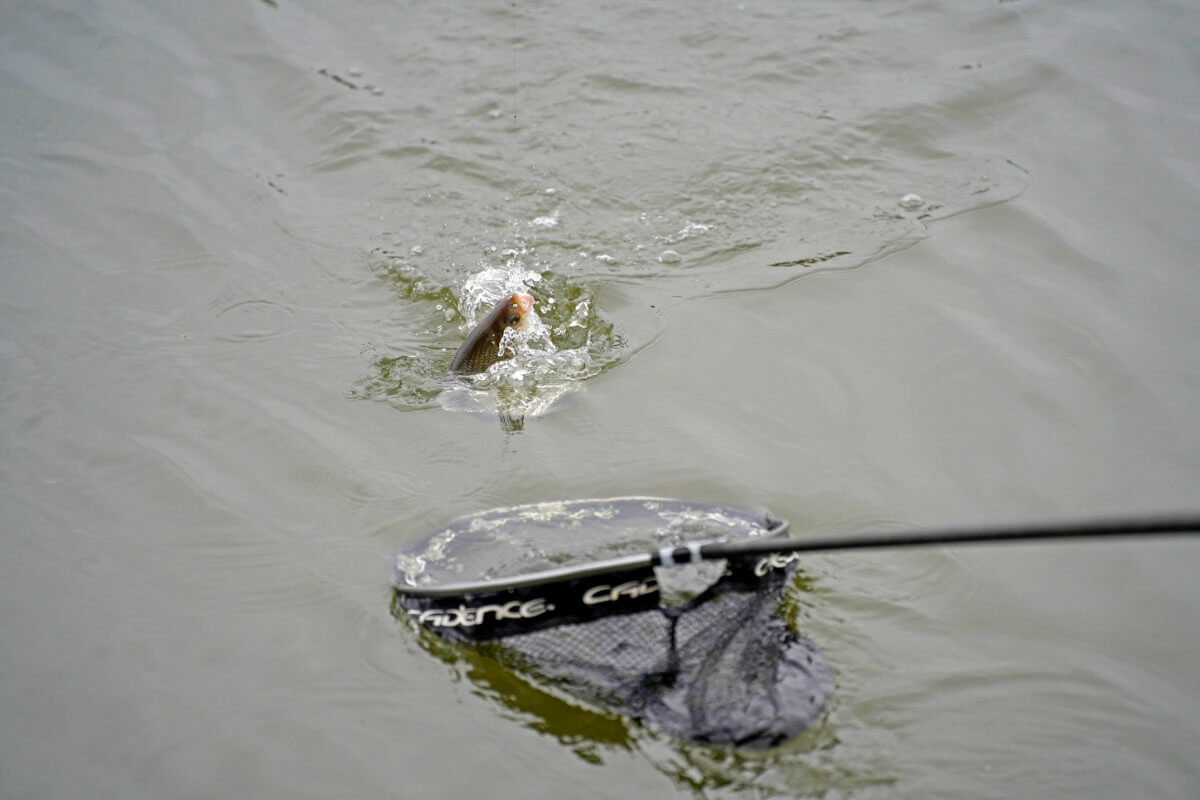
(513, 319)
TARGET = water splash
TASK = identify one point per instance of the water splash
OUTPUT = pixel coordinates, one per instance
(504, 542)
(484, 289)
(564, 343)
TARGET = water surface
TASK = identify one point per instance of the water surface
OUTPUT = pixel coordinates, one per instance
(234, 240)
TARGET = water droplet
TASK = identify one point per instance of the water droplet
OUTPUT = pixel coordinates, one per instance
(355, 71)
(416, 250)
(911, 202)
(606, 258)
(670, 257)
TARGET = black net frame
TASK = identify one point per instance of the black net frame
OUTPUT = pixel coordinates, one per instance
(481, 611)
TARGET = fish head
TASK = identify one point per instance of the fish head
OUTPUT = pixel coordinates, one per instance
(517, 310)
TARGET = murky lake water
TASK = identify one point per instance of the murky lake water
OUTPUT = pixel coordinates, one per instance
(234, 239)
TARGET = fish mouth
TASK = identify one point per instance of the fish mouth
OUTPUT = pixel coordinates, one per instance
(524, 302)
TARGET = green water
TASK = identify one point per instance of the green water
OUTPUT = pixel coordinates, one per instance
(234, 239)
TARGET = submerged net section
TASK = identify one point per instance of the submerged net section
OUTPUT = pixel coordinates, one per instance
(724, 670)
(698, 651)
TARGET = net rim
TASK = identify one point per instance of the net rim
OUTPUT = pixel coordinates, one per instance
(776, 529)
(774, 540)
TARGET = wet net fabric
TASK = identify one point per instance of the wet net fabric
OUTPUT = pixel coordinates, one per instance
(699, 651)
(726, 670)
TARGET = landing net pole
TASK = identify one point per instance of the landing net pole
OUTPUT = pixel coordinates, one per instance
(1093, 529)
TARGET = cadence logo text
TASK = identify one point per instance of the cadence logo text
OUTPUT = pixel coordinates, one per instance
(463, 617)
(630, 589)
(774, 561)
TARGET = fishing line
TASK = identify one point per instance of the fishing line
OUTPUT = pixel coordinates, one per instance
(516, 80)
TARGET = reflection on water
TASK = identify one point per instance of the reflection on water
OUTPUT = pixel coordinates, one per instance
(588, 732)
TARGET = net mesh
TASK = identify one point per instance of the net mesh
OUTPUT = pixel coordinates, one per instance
(725, 669)
(714, 661)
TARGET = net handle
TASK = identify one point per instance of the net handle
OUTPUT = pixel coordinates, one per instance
(1092, 529)
(775, 543)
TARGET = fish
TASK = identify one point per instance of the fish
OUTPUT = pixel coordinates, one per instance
(483, 347)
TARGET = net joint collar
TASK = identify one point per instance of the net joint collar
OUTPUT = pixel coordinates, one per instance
(684, 554)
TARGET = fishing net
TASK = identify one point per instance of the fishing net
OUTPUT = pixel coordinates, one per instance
(700, 651)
